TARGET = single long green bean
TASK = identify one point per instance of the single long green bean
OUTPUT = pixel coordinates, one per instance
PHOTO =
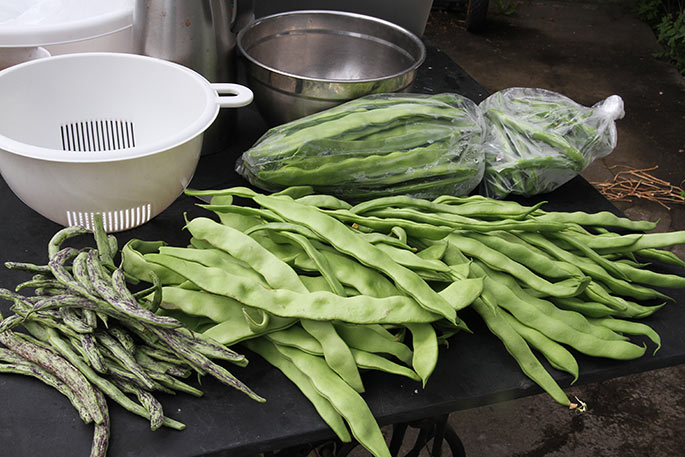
(520, 351)
(335, 351)
(601, 218)
(425, 348)
(324, 407)
(344, 399)
(101, 432)
(556, 354)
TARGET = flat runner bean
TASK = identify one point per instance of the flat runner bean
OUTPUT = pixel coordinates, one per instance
(661, 255)
(323, 201)
(323, 407)
(348, 271)
(653, 278)
(464, 223)
(537, 262)
(200, 303)
(336, 352)
(230, 332)
(412, 261)
(556, 354)
(419, 230)
(320, 261)
(277, 273)
(584, 307)
(498, 261)
(296, 192)
(344, 399)
(286, 303)
(214, 257)
(573, 319)
(460, 293)
(631, 328)
(425, 348)
(590, 254)
(370, 361)
(364, 338)
(460, 206)
(519, 350)
(625, 308)
(602, 219)
(344, 241)
(556, 329)
(297, 337)
(133, 263)
(592, 269)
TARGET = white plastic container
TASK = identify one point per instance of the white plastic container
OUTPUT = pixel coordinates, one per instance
(14, 56)
(110, 133)
(70, 26)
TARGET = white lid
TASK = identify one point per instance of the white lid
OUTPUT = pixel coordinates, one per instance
(48, 22)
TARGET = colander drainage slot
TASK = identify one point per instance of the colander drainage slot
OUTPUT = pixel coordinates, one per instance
(99, 135)
(114, 221)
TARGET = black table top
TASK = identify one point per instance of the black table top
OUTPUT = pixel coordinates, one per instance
(475, 370)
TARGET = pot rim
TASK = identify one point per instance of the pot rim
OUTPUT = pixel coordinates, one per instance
(418, 61)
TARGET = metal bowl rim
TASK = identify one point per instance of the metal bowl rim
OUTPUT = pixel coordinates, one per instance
(417, 63)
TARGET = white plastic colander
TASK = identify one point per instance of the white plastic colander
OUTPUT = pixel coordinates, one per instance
(109, 133)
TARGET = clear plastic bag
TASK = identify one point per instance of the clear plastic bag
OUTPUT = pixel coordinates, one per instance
(378, 145)
(537, 140)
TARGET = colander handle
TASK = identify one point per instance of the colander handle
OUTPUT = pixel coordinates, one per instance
(239, 95)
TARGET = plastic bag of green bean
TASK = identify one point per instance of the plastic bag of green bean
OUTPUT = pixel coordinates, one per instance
(537, 140)
(378, 145)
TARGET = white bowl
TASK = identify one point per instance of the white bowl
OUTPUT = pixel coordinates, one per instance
(109, 133)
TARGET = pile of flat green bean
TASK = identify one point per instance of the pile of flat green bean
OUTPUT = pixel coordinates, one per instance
(90, 338)
(324, 290)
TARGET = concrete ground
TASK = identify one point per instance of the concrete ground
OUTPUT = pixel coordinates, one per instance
(586, 50)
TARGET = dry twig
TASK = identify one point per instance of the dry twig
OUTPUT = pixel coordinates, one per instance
(639, 183)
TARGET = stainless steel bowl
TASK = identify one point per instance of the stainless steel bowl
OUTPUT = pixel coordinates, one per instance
(302, 62)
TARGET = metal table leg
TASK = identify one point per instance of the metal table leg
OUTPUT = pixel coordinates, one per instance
(436, 429)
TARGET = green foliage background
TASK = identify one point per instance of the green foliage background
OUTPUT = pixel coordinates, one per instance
(667, 19)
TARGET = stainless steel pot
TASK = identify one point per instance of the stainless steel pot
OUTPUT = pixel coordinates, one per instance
(199, 34)
(301, 62)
